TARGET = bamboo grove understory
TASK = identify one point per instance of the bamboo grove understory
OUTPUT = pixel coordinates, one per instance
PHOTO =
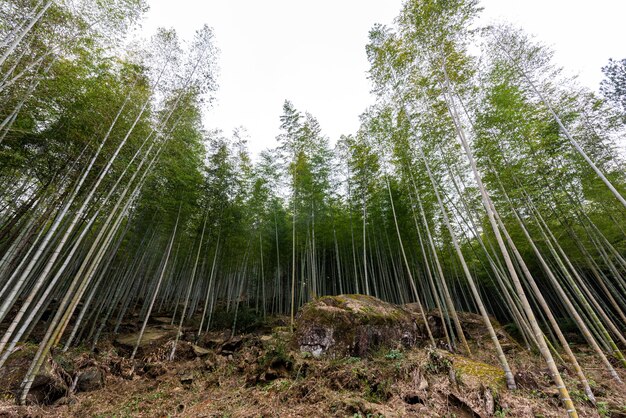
(481, 180)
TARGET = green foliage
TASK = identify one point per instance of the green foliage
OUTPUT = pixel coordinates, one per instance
(394, 355)
(85, 123)
(500, 413)
(613, 87)
(277, 354)
(247, 319)
(437, 363)
(603, 409)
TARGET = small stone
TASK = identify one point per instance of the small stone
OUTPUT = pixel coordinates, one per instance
(213, 342)
(452, 376)
(89, 380)
(161, 320)
(66, 400)
(419, 380)
(423, 385)
(155, 369)
(232, 345)
(490, 405)
(186, 379)
(551, 392)
(199, 351)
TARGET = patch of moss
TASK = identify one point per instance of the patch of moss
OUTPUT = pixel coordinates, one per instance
(488, 375)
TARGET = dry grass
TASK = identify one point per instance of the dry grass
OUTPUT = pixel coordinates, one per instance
(264, 377)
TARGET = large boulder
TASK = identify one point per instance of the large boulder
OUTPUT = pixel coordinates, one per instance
(355, 325)
(49, 385)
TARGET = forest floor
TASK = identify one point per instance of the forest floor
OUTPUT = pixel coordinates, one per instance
(263, 374)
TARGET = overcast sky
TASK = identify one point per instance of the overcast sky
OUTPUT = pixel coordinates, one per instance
(313, 53)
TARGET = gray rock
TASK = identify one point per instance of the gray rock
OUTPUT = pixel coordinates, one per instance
(49, 385)
(90, 379)
(199, 351)
(66, 400)
(355, 325)
(150, 335)
(489, 401)
(187, 379)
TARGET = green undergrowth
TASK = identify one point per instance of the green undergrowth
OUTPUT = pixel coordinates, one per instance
(247, 319)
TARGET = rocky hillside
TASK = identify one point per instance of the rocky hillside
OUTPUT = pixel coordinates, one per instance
(350, 356)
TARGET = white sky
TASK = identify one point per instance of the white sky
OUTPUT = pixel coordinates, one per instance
(313, 53)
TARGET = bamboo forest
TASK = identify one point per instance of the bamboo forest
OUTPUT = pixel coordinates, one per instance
(461, 254)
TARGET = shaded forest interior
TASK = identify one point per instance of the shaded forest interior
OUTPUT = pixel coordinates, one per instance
(482, 180)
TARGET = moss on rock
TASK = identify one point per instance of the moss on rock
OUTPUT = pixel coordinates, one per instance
(355, 325)
(49, 385)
